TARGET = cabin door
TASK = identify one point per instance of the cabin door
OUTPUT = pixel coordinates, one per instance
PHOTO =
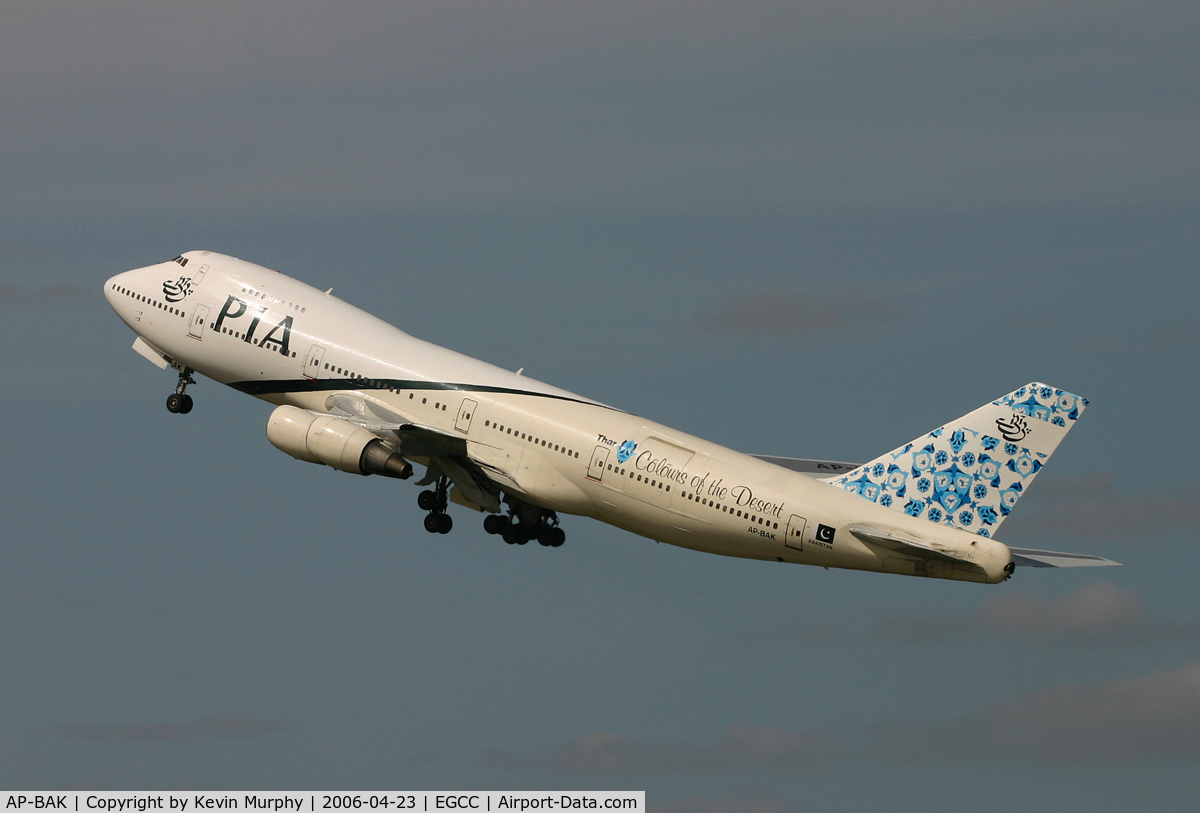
(312, 362)
(199, 317)
(794, 538)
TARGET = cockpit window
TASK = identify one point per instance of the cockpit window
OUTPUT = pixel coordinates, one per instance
(180, 259)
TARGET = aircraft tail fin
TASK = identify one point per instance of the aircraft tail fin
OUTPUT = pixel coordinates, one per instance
(970, 473)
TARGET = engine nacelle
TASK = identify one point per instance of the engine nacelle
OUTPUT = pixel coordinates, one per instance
(332, 441)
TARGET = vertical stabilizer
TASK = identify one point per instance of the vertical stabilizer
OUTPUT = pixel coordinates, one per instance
(970, 473)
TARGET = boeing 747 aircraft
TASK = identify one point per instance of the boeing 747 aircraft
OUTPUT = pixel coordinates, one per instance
(361, 396)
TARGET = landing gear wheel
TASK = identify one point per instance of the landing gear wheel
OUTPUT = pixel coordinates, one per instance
(515, 535)
(444, 523)
(427, 500)
(557, 537)
(179, 402)
(433, 523)
(495, 523)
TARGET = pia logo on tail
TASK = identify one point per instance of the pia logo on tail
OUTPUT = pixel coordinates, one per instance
(1014, 429)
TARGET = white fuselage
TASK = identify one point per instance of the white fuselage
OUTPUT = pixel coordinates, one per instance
(286, 342)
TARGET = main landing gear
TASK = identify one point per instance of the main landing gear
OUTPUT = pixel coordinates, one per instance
(519, 529)
(179, 401)
(522, 523)
(437, 521)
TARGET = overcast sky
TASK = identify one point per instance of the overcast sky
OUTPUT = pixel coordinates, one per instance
(814, 229)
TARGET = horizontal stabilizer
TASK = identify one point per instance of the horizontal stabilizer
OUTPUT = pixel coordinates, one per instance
(1029, 557)
(827, 468)
(904, 544)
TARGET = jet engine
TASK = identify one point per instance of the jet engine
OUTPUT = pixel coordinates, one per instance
(333, 441)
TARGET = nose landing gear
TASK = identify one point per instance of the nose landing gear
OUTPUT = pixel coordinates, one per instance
(179, 401)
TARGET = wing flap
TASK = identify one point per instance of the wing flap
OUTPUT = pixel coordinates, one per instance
(151, 353)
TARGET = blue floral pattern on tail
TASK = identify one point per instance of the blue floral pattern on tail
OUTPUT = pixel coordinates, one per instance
(962, 476)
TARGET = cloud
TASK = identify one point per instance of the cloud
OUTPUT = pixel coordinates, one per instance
(1090, 507)
(1097, 346)
(226, 727)
(594, 104)
(49, 295)
(41, 595)
(792, 633)
(793, 313)
(1095, 614)
(1121, 721)
(740, 748)
(1156, 716)
(1162, 341)
(1099, 613)
(1095, 486)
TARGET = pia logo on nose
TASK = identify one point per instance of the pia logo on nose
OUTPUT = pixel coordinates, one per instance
(175, 291)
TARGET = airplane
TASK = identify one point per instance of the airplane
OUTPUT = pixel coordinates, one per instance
(356, 394)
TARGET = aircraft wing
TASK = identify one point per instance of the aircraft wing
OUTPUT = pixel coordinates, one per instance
(804, 466)
(447, 453)
(1030, 557)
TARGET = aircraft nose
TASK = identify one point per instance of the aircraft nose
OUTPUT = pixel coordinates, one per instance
(113, 287)
(122, 290)
(110, 288)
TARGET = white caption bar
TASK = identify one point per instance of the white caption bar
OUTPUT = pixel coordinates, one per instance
(324, 801)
